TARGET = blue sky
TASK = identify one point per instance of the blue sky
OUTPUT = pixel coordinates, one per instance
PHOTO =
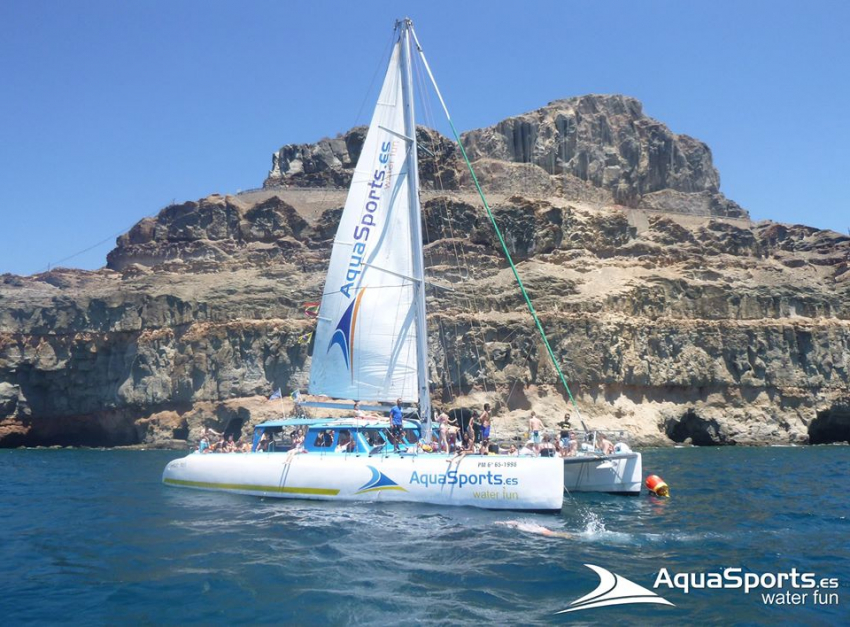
(112, 110)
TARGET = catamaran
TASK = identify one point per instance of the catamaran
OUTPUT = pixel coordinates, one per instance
(371, 343)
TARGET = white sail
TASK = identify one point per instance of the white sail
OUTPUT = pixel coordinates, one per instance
(365, 339)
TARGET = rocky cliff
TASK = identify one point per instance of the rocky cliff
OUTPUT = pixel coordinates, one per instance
(593, 148)
(674, 316)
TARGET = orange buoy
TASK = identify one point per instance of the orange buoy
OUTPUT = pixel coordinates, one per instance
(656, 485)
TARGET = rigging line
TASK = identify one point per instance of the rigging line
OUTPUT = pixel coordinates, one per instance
(524, 364)
(446, 218)
(53, 264)
(446, 381)
(471, 302)
(498, 231)
(382, 63)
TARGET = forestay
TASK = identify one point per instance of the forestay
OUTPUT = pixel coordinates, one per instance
(365, 343)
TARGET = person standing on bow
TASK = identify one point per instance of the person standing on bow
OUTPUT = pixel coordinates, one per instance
(396, 424)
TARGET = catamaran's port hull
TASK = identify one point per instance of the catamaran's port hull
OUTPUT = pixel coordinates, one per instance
(610, 474)
(491, 482)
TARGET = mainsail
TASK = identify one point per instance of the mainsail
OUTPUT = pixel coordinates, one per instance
(365, 342)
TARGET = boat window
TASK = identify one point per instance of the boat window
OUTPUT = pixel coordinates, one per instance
(277, 439)
(375, 437)
(324, 439)
(347, 444)
(411, 435)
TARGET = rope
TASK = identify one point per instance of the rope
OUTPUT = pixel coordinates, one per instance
(496, 228)
(447, 222)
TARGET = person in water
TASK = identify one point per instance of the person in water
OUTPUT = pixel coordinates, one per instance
(531, 527)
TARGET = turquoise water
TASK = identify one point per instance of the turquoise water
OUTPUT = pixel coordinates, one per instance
(92, 537)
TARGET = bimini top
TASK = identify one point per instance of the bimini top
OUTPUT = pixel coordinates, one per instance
(349, 422)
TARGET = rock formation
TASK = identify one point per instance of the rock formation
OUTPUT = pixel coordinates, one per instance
(674, 316)
(597, 148)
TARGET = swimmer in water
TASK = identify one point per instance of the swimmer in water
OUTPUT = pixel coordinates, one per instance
(529, 527)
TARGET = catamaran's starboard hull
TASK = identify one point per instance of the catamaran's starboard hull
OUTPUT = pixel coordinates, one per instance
(611, 474)
(492, 482)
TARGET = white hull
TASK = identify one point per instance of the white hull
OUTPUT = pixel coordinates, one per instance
(491, 482)
(612, 474)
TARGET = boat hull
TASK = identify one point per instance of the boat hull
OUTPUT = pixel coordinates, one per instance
(491, 482)
(611, 474)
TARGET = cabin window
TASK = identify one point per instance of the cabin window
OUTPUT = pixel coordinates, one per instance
(324, 439)
(411, 435)
(276, 439)
(347, 443)
(375, 438)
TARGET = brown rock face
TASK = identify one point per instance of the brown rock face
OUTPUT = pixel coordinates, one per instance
(331, 162)
(677, 326)
(591, 148)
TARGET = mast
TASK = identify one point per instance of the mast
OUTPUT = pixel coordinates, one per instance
(412, 166)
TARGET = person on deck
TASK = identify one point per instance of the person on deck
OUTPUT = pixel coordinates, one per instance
(535, 426)
(604, 444)
(485, 427)
(360, 414)
(346, 443)
(443, 421)
(396, 422)
(529, 450)
(263, 444)
(470, 426)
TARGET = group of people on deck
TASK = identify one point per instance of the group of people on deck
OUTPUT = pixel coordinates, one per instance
(214, 442)
(455, 439)
(452, 436)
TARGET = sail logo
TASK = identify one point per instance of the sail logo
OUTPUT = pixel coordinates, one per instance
(343, 335)
(378, 483)
(614, 590)
(367, 221)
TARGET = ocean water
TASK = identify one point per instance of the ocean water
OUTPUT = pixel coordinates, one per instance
(93, 537)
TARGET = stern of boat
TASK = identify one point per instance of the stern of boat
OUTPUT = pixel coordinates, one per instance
(619, 473)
